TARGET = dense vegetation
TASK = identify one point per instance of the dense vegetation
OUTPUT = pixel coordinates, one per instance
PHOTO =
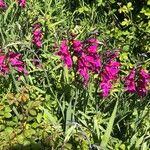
(74, 74)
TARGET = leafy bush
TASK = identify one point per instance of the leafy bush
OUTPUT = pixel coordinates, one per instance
(49, 99)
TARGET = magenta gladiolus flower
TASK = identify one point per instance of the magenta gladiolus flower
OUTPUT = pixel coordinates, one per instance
(141, 88)
(92, 45)
(92, 49)
(142, 83)
(4, 69)
(112, 69)
(22, 3)
(65, 54)
(106, 87)
(130, 85)
(16, 62)
(2, 4)
(2, 58)
(144, 74)
(93, 63)
(108, 75)
(37, 35)
(83, 70)
(77, 46)
(13, 59)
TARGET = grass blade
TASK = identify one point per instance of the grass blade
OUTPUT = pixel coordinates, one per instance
(106, 136)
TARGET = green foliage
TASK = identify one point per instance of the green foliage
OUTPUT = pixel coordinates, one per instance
(49, 108)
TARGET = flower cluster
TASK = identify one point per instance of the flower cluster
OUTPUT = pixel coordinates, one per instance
(88, 57)
(89, 61)
(12, 59)
(65, 54)
(130, 82)
(37, 35)
(109, 73)
(137, 85)
(22, 3)
(105, 65)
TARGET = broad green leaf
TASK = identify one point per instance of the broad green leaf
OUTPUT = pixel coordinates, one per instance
(7, 115)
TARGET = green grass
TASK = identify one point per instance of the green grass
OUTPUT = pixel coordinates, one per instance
(49, 108)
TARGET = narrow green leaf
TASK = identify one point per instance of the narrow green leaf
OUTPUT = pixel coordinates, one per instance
(109, 129)
(69, 133)
(9, 9)
(68, 115)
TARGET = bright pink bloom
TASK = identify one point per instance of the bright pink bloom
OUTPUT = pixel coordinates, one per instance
(106, 87)
(130, 85)
(141, 88)
(92, 49)
(92, 45)
(92, 58)
(65, 54)
(37, 35)
(93, 63)
(2, 4)
(108, 75)
(14, 59)
(112, 69)
(144, 74)
(22, 3)
(16, 62)
(142, 83)
(2, 58)
(77, 46)
(83, 70)
(4, 69)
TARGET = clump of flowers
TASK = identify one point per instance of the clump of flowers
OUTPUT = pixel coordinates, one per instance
(2, 4)
(137, 81)
(14, 60)
(88, 59)
(142, 83)
(77, 46)
(130, 85)
(37, 35)
(65, 54)
(109, 73)
(22, 3)
(104, 65)
(82, 69)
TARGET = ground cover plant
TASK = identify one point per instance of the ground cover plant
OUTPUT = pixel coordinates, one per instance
(74, 74)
